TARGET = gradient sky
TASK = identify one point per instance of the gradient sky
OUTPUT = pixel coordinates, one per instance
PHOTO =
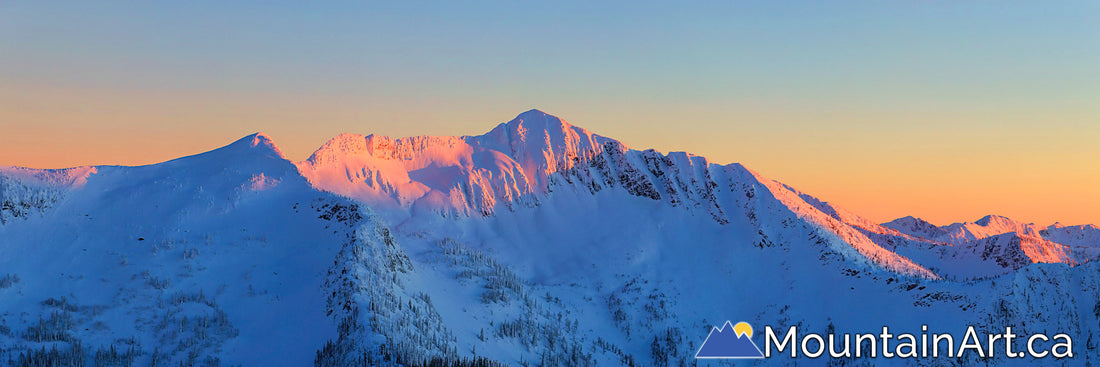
(944, 110)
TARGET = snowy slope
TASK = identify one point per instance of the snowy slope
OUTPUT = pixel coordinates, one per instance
(519, 162)
(185, 261)
(987, 226)
(1086, 235)
(26, 192)
(537, 243)
(438, 174)
(993, 245)
(959, 233)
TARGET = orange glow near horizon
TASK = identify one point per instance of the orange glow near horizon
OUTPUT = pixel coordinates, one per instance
(946, 111)
(945, 172)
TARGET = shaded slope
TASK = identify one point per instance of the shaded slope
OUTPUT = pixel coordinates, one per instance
(183, 262)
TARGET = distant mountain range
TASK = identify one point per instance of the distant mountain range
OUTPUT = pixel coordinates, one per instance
(537, 243)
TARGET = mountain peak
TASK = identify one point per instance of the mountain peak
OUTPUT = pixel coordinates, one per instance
(533, 112)
(996, 220)
(257, 142)
(914, 226)
(543, 143)
(535, 120)
(908, 219)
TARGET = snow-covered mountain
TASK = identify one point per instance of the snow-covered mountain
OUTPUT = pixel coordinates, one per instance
(916, 227)
(522, 161)
(996, 240)
(537, 243)
(1086, 235)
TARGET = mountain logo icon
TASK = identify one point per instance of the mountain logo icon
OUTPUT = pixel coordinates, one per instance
(731, 341)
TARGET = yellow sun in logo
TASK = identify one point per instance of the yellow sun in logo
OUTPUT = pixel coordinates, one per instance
(743, 328)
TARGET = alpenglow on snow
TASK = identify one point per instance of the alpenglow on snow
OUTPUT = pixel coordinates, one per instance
(537, 243)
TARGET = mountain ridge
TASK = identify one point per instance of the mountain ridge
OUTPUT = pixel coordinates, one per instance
(384, 251)
(519, 162)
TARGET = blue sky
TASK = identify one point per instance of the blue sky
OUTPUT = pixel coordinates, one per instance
(831, 97)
